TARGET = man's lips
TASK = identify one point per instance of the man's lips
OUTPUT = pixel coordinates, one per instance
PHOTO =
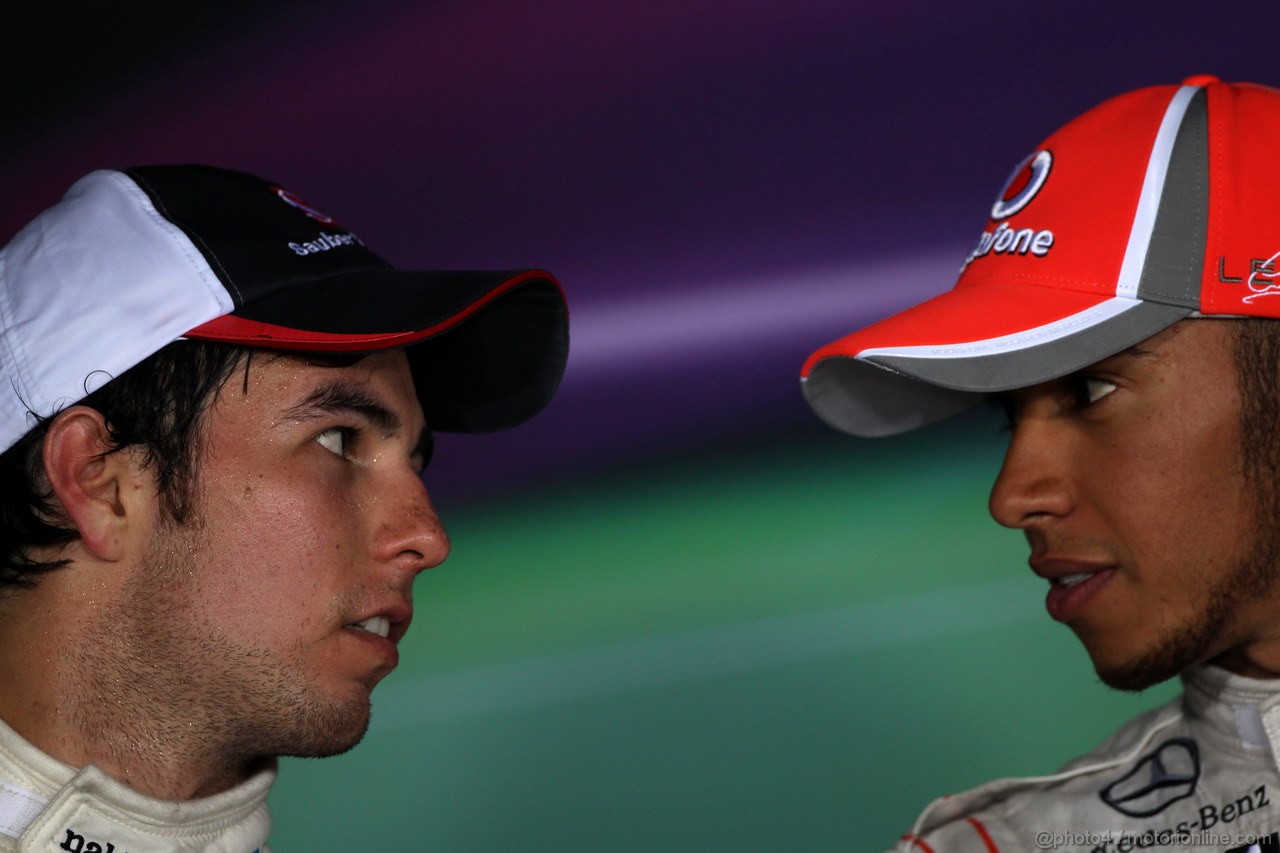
(379, 632)
(1073, 583)
(1056, 568)
(389, 622)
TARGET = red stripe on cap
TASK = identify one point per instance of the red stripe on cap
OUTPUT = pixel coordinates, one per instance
(916, 841)
(231, 329)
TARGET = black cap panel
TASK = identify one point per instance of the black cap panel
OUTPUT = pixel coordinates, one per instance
(257, 237)
(497, 368)
(375, 301)
(487, 347)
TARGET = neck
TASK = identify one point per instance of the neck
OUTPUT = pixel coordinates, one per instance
(1260, 662)
(82, 698)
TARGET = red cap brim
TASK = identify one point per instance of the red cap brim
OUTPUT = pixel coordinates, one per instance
(939, 357)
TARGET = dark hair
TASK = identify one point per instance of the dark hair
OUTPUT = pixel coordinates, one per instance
(157, 406)
(1255, 344)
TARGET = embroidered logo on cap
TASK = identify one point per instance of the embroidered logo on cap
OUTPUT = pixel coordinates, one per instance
(1022, 186)
(1263, 279)
(304, 207)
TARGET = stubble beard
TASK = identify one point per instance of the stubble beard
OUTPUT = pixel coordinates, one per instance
(1251, 577)
(167, 682)
(1190, 644)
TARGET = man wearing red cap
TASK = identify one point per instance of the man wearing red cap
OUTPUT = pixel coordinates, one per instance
(1120, 306)
(216, 404)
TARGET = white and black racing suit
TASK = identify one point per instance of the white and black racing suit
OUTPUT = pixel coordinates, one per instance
(48, 806)
(1196, 774)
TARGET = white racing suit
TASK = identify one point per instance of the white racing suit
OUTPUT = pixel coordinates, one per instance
(1197, 774)
(48, 806)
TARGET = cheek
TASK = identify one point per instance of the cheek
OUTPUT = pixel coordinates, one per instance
(278, 546)
(1177, 497)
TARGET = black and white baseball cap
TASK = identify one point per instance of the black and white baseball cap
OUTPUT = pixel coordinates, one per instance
(130, 261)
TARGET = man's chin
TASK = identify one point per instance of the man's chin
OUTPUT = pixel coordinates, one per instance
(331, 732)
(1137, 673)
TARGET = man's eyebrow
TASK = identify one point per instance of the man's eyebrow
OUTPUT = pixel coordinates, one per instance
(338, 396)
(1135, 351)
(1006, 400)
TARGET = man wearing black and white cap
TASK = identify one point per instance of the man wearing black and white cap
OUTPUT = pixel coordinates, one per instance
(217, 406)
(1121, 306)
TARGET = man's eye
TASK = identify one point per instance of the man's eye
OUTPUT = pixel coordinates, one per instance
(1007, 407)
(334, 440)
(1093, 389)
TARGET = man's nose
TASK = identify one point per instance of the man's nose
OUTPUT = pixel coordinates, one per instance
(1034, 484)
(410, 534)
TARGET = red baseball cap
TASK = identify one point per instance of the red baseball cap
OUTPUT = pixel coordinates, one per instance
(1157, 205)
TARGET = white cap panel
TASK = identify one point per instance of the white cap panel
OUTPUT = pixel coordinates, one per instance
(73, 319)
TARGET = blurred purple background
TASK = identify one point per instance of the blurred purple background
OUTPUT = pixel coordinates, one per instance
(721, 186)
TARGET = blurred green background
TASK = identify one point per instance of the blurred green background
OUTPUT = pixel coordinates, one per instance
(792, 644)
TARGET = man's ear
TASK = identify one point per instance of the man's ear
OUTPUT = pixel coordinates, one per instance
(101, 493)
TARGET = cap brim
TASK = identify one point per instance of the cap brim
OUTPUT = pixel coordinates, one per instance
(487, 349)
(941, 356)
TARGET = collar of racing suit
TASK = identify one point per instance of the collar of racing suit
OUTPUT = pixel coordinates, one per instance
(1237, 714)
(48, 805)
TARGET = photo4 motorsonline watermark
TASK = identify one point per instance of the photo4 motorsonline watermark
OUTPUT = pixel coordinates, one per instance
(1113, 841)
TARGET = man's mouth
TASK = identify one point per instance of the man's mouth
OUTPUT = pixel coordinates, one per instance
(379, 625)
(1074, 582)
(1070, 594)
